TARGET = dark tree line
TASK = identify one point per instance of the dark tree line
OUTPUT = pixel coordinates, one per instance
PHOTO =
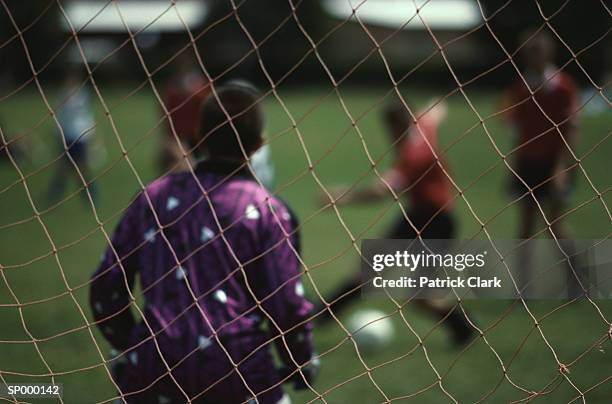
(581, 24)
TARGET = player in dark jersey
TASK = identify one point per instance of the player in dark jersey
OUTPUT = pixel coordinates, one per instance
(220, 277)
(419, 172)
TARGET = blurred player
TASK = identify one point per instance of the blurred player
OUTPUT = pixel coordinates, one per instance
(417, 172)
(542, 110)
(542, 156)
(234, 301)
(76, 119)
(184, 94)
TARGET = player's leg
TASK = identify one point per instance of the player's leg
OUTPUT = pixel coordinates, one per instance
(59, 179)
(80, 153)
(343, 296)
(436, 225)
(441, 226)
(576, 265)
(560, 194)
(542, 185)
(528, 215)
(530, 184)
(350, 290)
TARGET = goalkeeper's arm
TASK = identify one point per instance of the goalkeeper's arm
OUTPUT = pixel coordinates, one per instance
(280, 291)
(111, 284)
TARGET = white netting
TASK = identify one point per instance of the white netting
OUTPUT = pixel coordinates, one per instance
(324, 72)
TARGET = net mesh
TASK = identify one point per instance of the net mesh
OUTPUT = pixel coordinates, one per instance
(48, 332)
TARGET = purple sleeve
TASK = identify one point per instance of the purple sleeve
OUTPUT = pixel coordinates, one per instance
(109, 295)
(282, 291)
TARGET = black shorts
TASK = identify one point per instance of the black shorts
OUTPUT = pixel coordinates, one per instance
(77, 150)
(441, 226)
(539, 177)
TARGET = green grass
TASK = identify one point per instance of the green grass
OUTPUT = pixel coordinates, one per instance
(40, 280)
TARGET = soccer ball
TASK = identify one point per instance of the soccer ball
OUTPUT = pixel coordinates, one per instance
(371, 329)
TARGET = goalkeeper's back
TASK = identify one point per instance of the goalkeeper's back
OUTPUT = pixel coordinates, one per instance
(217, 262)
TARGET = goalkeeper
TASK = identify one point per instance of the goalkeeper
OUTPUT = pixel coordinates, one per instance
(417, 171)
(237, 249)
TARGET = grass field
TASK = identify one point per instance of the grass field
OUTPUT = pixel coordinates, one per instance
(52, 316)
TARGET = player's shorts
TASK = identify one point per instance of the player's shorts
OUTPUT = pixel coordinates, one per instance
(431, 224)
(538, 176)
(77, 150)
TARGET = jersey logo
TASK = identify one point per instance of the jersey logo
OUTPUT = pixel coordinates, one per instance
(299, 289)
(172, 203)
(206, 234)
(251, 212)
(220, 296)
(150, 235)
(203, 342)
(180, 273)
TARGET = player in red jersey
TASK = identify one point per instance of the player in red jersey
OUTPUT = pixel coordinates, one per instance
(541, 108)
(183, 96)
(416, 171)
(419, 171)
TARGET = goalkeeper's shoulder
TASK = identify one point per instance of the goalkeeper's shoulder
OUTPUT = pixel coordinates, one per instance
(260, 204)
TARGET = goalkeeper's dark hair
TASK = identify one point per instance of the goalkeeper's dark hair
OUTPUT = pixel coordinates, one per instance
(241, 103)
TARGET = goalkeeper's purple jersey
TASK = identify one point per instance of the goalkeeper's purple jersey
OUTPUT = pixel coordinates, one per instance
(218, 267)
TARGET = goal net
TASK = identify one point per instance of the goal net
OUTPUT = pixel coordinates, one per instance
(480, 121)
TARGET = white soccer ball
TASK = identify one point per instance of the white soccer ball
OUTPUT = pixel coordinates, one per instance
(371, 329)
